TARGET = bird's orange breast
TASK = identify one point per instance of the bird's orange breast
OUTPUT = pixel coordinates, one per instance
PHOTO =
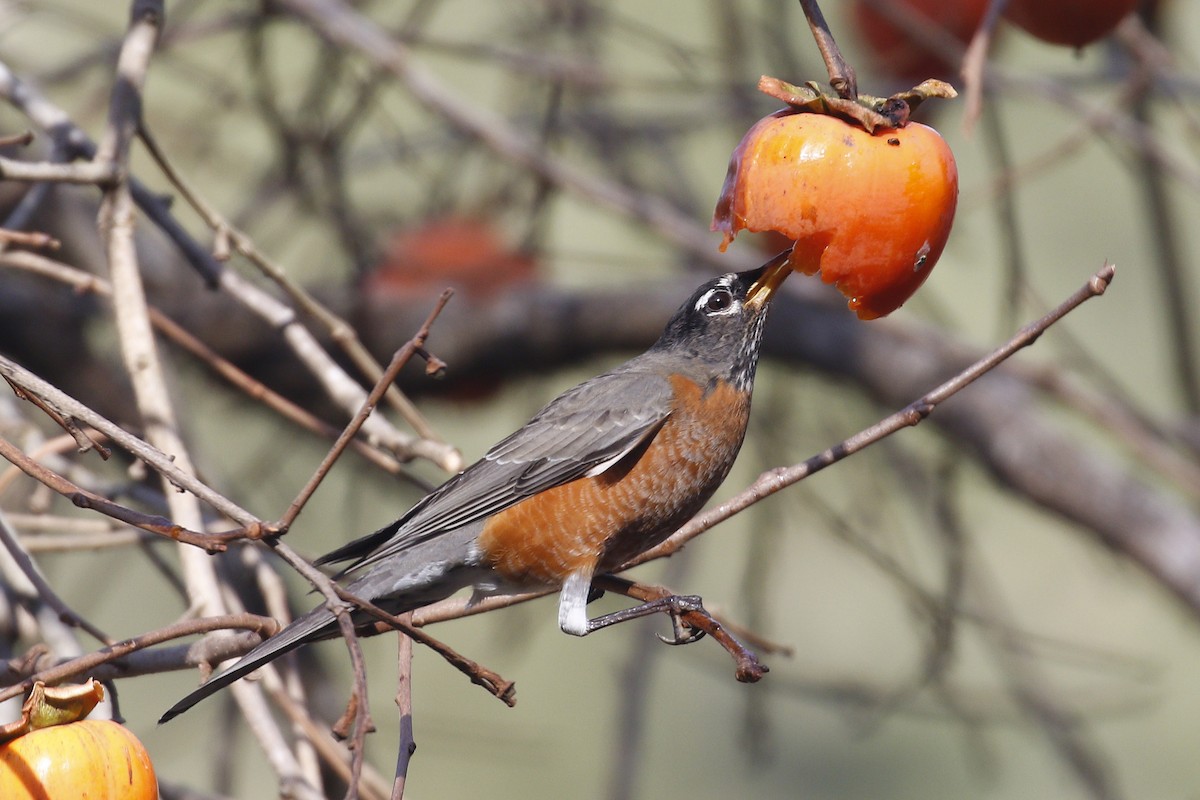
(597, 523)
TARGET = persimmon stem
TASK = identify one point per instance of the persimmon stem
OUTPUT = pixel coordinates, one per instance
(841, 74)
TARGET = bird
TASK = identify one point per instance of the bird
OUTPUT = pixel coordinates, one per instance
(604, 472)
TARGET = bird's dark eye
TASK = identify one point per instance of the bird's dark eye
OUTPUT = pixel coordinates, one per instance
(718, 300)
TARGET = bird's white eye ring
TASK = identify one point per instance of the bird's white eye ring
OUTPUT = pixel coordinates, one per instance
(716, 301)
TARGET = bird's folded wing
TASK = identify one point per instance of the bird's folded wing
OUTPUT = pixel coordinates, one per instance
(582, 431)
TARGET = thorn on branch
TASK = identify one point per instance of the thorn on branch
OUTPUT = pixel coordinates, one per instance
(344, 727)
(434, 366)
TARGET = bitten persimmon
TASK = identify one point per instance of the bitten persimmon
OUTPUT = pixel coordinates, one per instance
(870, 211)
(96, 759)
(1074, 23)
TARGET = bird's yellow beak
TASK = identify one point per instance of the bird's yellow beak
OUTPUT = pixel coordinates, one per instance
(774, 271)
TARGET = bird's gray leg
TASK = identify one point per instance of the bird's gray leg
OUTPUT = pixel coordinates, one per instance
(573, 619)
(673, 605)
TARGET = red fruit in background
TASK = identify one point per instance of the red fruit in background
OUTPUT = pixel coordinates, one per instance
(1069, 22)
(899, 53)
(464, 253)
(870, 212)
(467, 254)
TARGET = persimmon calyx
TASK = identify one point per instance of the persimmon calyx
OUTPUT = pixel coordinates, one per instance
(867, 112)
(48, 706)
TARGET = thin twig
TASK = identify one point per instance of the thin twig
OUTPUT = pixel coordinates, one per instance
(62, 671)
(399, 360)
(32, 239)
(84, 172)
(17, 139)
(83, 440)
(480, 675)
(86, 282)
(153, 523)
(156, 459)
(404, 704)
(429, 445)
(974, 63)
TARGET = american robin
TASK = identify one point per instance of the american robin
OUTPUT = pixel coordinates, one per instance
(604, 472)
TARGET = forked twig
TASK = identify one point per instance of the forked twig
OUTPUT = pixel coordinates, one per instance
(82, 439)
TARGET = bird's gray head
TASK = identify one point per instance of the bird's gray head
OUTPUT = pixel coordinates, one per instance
(719, 328)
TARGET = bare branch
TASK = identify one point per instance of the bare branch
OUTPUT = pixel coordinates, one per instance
(254, 389)
(401, 358)
(340, 387)
(88, 172)
(114, 654)
(153, 457)
(212, 543)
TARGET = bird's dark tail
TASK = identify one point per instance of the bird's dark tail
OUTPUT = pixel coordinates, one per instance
(408, 579)
(310, 627)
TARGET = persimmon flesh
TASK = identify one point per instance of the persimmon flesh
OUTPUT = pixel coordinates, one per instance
(870, 211)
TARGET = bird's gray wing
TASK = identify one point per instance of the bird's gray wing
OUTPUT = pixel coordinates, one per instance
(583, 431)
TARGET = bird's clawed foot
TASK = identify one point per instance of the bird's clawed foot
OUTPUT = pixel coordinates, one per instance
(673, 605)
(682, 633)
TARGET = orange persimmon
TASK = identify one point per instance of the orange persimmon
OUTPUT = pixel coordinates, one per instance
(870, 211)
(96, 759)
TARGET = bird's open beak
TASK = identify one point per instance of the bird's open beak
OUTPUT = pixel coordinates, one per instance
(774, 271)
